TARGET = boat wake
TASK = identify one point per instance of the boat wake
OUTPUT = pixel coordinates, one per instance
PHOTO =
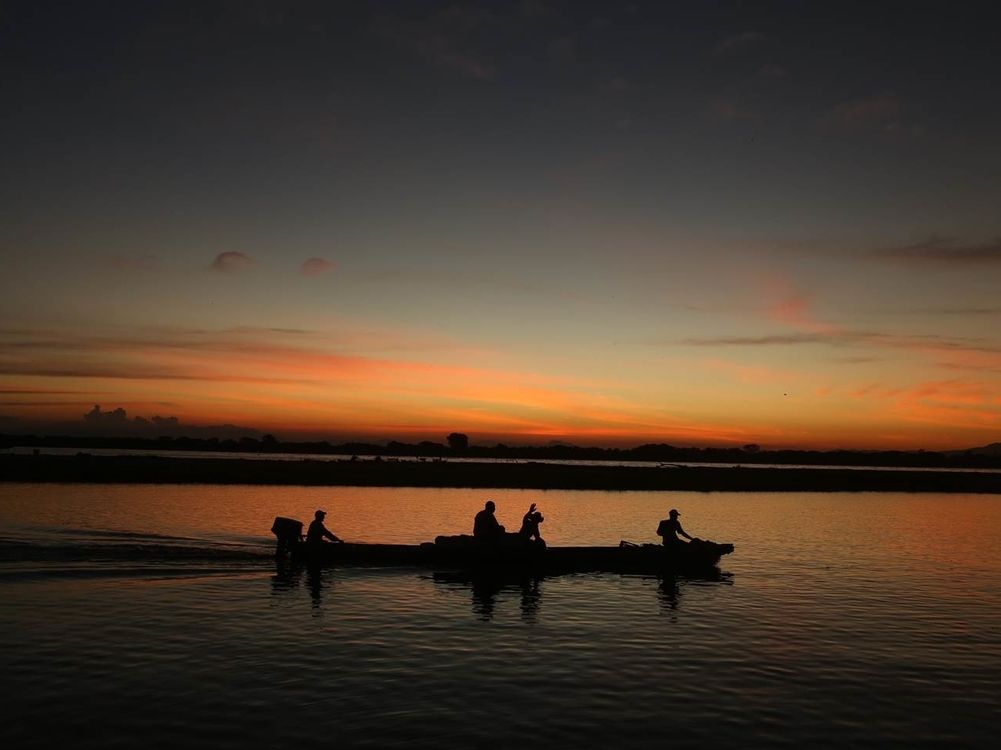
(98, 552)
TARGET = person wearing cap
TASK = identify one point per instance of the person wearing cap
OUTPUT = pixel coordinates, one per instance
(670, 529)
(316, 532)
(485, 525)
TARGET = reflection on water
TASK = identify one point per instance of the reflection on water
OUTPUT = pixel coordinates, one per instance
(669, 591)
(486, 587)
(484, 590)
(399, 657)
(314, 581)
(289, 576)
(286, 577)
(851, 620)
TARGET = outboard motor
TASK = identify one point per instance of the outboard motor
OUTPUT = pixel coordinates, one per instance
(289, 534)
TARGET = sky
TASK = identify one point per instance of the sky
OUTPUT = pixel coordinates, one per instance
(700, 223)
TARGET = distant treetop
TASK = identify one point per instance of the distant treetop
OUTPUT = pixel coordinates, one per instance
(457, 441)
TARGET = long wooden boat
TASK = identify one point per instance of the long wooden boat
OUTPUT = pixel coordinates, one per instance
(509, 554)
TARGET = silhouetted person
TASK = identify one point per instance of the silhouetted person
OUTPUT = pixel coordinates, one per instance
(530, 526)
(485, 525)
(317, 531)
(670, 529)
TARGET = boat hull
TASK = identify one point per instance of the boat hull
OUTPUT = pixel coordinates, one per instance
(692, 557)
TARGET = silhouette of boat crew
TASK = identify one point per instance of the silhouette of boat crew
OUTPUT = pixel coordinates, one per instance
(530, 527)
(317, 531)
(671, 531)
(490, 547)
(485, 526)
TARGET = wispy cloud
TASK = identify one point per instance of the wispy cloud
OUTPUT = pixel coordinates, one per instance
(315, 266)
(731, 108)
(277, 379)
(858, 360)
(232, 261)
(992, 367)
(346, 335)
(959, 311)
(739, 43)
(775, 339)
(445, 38)
(970, 404)
(236, 357)
(866, 109)
(850, 337)
(38, 392)
(126, 371)
(792, 309)
(884, 113)
(943, 252)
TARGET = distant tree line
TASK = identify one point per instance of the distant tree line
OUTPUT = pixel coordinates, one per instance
(457, 444)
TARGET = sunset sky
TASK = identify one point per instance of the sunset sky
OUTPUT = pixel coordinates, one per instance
(702, 223)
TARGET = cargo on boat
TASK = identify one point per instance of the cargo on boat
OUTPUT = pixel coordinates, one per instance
(511, 553)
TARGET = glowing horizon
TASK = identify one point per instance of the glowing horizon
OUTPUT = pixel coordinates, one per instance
(547, 223)
(300, 384)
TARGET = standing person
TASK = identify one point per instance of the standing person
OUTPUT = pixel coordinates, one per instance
(670, 529)
(530, 526)
(317, 531)
(485, 525)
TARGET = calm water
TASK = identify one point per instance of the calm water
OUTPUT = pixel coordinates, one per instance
(293, 457)
(152, 616)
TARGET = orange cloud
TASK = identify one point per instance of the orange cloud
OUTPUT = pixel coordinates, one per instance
(315, 266)
(958, 404)
(294, 378)
(294, 381)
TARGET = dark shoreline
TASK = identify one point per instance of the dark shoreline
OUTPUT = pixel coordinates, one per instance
(157, 470)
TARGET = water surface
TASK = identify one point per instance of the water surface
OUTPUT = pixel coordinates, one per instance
(153, 615)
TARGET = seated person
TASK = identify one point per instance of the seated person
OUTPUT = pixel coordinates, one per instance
(670, 529)
(530, 526)
(485, 525)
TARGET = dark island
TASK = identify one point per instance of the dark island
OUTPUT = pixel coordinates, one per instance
(379, 472)
(458, 446)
